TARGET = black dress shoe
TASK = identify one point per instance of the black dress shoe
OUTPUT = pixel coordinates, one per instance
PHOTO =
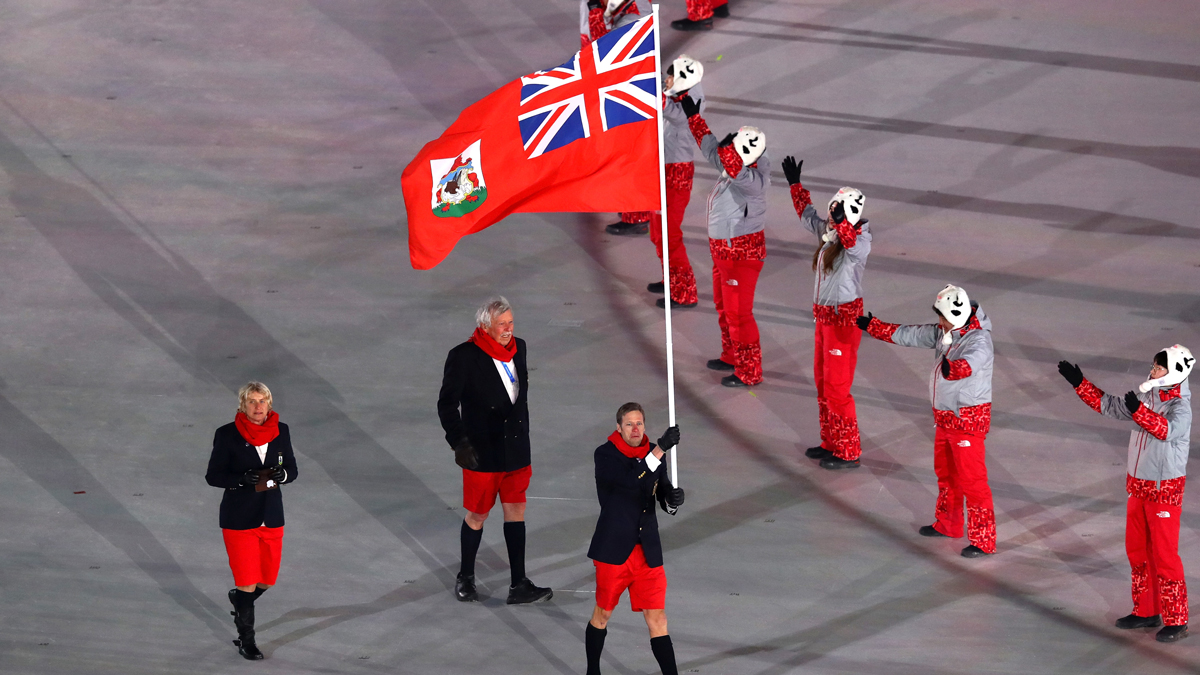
(973, 551)
(624, 228)
(525, 592)
(1135, 621)
(721, 12)
(1171, 633)
(718, 364)
(691, 26)
(464, 588)
(732, 381)
(834, 463)
(250, 651)
(817, 453)
(662, 303)
(656, 287)
(929, 531)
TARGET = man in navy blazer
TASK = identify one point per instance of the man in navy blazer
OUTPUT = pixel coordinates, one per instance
(627, 553)
(483, 407)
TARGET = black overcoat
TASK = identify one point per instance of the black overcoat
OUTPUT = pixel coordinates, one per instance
(232, 456)
(627, 490)
(474, 404)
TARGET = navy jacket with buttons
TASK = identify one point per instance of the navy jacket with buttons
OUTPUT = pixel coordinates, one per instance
(242, 508)
(474, 404)
(627, 490)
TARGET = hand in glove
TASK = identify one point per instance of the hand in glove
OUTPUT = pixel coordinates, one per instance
(595, 4)
(791, 169)
(675, 497)
(945, 367)
(249, 478)
(691, 107)
(864, 321)
(1132, 402)
(1071, 373)
(278, 474)
(670, 439)
(728, 140)
(465, 456)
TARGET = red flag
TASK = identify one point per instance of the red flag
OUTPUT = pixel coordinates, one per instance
(579, 137)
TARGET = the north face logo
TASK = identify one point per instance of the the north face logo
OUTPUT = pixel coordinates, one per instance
(835, 352)
(1164, 514)
(964, 444)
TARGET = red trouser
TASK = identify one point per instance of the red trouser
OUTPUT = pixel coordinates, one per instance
(679, 193)
(733, 294)
(702, 9)
(1152, 544)
(835, 355)
(958, 461)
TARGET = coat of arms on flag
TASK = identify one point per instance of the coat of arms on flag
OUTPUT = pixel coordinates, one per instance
(458, 185)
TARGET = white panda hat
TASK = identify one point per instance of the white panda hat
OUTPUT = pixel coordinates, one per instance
(687, 72)
(1179, 366)
(954, 305)
(750, 143)
(853, 201)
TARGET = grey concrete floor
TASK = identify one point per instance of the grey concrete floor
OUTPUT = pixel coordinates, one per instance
(200, 193)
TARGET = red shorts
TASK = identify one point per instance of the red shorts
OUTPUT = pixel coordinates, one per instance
(254, 554)
(647, 585)
(481, 487)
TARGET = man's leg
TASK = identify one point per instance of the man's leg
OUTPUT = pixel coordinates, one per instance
(1137, 549)
(745, 336)
(514, 539)
(721, 271)
(479, 496)
(660, 640)
(819, 381)
(682, 284)
(948, 516)
(593, 638)
(970, 466)
(1162, 521)
(840, 354)
(512, 499)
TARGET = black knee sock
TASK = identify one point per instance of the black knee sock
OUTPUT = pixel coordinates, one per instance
(258, 593)
(593, 640)
(243, 600)
(514, 538)
(665, 653)
(470, 546)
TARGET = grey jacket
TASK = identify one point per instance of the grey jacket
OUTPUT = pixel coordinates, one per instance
(975, 346)
(844, 283)
(736, 206)
(1150, 458)
(678, 144)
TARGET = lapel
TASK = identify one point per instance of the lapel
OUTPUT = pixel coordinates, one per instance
(254, 452)
(500, 392)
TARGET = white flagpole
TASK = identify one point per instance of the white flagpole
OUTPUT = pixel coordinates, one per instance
(662, 203)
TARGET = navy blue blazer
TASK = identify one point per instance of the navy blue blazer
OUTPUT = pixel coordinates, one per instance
(497, 427)
(232, 456)
(627, 490)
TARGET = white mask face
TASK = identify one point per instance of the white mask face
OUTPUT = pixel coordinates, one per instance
(853, 203)
(750, 143)
(1179, 365)
(688, 72)
(953, 304)
(614, 6)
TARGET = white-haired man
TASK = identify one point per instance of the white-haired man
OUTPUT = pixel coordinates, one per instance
(483, 406)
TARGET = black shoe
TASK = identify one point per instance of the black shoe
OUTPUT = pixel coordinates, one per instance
(1135, 621)
(817, 453)
(1171, 633)
(833, 463)
(732, 381)
(718, 364)
(464, 588)
(525, 592)
(721, 12)
(662, 303)
(656, 287)
(624, 228)
(973, 551)
(929, 531)
(249, 650)
(691, 26)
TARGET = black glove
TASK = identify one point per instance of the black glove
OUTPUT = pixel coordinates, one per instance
(1071, 373)
(670, 439)
(691, 108)
(945, 367)
(1132, 402)
(791, 169)
(675, 497)
(837, 212)
(728, 140)
(594, 4)
(864, 321)
(249, 478)
(465, 456)
(278, 474)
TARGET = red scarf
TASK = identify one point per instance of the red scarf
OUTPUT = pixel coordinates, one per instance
(258, 434)
(628, 450)
(492, 348)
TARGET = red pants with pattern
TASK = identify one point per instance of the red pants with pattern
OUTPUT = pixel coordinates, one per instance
(698, 10)
(1152, 544)
(636, 216)
(958, 461)
(679, 193)
(835, 355)
(733, 294)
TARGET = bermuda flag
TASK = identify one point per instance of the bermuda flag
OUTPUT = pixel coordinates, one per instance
(582, 136)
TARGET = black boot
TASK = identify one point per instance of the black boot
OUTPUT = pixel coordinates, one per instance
(817, 453)
(973, 551)
(1135, 621)
(732, 381)
(662, 303)
(243, 620)
(1171, 633)
(833, 463)
(929, 531)
(718, 364)
(692, 26)
(656, 287)
(623, 228)
(524, 592)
